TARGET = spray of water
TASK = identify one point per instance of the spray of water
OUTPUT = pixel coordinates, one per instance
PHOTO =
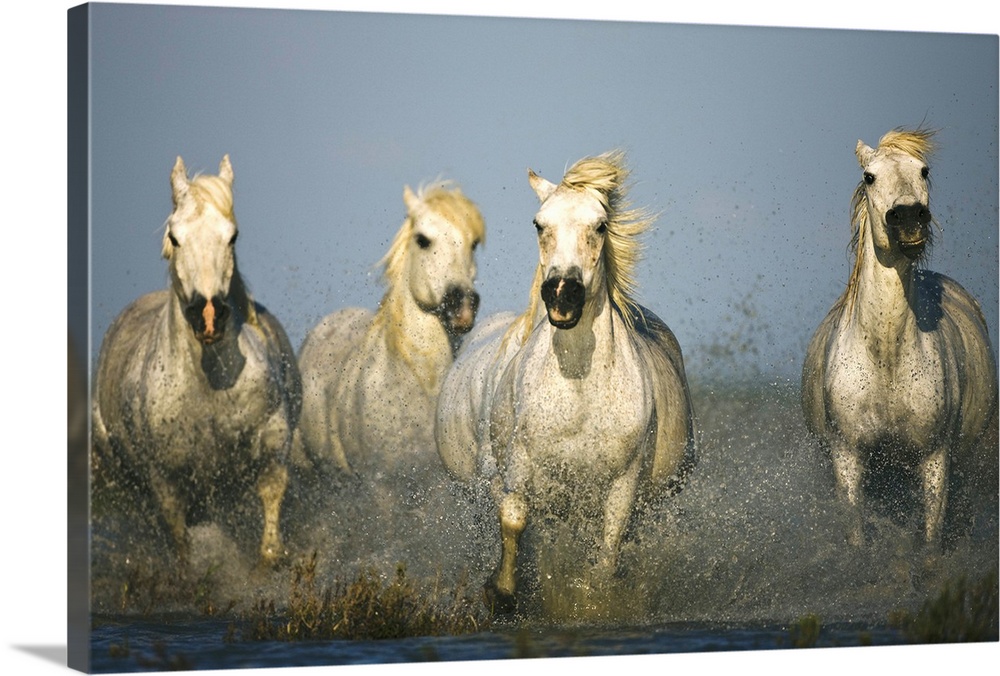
(757, 535)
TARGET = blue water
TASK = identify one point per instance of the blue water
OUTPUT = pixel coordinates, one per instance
(202, 644)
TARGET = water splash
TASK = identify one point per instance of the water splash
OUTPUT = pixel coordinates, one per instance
(756, 536)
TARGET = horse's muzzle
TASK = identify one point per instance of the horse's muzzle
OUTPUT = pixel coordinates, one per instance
(457, 311)
(564, 298)
(207, 319)
(910, 225)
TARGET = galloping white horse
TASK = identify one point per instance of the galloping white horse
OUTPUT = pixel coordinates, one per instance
(197, 390)
(371, 381)
(902, 364)
(581, 405)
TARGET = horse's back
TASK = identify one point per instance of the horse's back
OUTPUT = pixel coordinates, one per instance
(459, 418)
(675, 452)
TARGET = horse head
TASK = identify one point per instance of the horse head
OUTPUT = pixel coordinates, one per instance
(571, 225)
(586, 237)
(893, 196)
(199, 243)
(434, 254)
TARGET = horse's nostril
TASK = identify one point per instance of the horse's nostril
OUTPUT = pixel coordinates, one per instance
(221, 309)
(193, 311)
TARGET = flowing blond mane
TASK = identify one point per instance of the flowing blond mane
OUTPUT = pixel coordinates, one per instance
(448, 201)
(917, 143)
(605, 178)
(208, 189)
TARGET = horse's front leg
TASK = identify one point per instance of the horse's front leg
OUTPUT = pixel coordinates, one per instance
(848, 470)
(510, 488)
(274, 445)
(173, 511)
(617, 513)
(934, 476)
(501, 587)
(271, 489)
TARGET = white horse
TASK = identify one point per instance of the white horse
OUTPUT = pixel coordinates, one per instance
(371, 381)
(902, 365)
(197, 391)
(581, 405)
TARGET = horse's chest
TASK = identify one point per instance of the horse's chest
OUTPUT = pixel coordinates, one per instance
(188, 417)
(591, 427)
(903, 396)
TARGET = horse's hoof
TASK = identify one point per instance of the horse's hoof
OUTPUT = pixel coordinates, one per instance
(499, 602)
(273, 558)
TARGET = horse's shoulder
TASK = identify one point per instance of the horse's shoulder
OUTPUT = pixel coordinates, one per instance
(334, 334)
(280, 349)
(819, 343)
(488, 331)
(142, 308)
(943, 295)
(132, 328)
(337, 325)
(272, 328)
(676, 452)
(655, 333)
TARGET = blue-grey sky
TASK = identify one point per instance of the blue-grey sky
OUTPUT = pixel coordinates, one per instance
(742, 138)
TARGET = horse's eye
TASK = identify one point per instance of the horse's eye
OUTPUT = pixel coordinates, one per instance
(173, 240)
(232, 240)
(538, 227)
(869, 178)
(602, 228)
(925, 172)
(422, 241)
(475, 244)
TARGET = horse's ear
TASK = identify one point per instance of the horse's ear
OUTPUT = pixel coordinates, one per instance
(410, 199)
(178, 180)
(226, 169)
(864, 153)
(542, 187)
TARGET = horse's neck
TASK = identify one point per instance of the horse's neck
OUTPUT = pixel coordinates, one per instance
(592, 342)
(223, 361)
(881, 311)
(415, 336)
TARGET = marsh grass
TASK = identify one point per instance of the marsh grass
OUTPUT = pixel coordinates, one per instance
(962, 612)
(805, 632)
(147, 590)
(371, 606)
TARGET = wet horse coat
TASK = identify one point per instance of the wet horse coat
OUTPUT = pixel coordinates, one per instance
(902, 365)
(371, 380)
(582, 399)
(197, 391)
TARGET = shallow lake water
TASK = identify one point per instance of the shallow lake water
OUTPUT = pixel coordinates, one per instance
(748, 553)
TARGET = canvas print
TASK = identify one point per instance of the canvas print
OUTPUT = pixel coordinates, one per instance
(399, 338)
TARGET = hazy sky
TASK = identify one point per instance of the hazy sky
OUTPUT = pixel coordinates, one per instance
(741, 138)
